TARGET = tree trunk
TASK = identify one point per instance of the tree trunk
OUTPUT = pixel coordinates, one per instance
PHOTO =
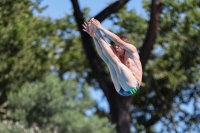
(119, 106)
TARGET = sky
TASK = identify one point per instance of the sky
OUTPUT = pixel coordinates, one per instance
(57, 9)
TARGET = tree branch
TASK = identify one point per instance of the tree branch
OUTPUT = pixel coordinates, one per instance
(113, 8)
(156, 9)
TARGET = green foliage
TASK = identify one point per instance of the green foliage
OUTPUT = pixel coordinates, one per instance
(55, 105)
(31, 45)
(11, 127)
(23, 37)
(180, 63)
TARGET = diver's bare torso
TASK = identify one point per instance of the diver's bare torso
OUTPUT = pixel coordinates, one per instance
(132, 61)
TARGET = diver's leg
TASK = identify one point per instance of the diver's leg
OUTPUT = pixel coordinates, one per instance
(100, 52)
(114, 78)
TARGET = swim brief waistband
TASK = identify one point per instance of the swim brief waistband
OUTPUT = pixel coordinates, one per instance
(130, 92)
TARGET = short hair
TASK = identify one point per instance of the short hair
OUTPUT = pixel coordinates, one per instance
(125, 38)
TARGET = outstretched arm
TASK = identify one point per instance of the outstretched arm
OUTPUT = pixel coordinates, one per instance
(116, 39)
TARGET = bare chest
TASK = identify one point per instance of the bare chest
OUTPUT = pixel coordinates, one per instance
(133, 63)
(127, 60)
(129, 63)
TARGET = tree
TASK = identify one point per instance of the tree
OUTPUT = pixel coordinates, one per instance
(32, 46)
(52, 105)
